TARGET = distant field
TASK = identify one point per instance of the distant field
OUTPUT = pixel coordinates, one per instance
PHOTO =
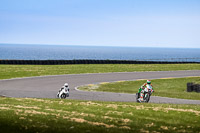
(174, 88)
(27, 115)
(14, 71)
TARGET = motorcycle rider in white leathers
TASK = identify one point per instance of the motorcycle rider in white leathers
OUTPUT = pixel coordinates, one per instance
(66, 86)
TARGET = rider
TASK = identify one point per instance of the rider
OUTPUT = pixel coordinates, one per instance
(66, 86)
(141, 89)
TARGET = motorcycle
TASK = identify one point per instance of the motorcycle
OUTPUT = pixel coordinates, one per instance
(147, 93)
(63, 93)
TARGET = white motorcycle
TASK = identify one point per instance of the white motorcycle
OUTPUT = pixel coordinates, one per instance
(63, 92)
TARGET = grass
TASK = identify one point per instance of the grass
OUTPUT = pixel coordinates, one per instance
(174, 87)
(14, 71)
(54, 115)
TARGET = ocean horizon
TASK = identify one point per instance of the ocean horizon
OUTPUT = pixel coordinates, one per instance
(71, 52)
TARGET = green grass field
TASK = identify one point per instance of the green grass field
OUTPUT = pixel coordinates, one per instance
(26, 115)
(174, 88)
(55, 115)
(14, 71)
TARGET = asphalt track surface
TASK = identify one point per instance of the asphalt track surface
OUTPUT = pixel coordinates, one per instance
(48, 86)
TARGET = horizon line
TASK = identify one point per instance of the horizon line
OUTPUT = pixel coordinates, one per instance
(76, 45)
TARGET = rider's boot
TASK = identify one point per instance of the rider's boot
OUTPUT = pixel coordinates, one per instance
(139, 100)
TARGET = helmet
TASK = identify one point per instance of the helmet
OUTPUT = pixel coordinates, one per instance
(148, 81)
(66, 85)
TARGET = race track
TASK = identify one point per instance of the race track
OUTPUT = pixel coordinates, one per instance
(47, 86)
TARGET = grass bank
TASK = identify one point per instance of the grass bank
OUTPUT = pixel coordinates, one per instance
(174, 87)
(55, 115)
(14, 71)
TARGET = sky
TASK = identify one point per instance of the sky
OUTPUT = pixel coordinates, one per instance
(135, 23)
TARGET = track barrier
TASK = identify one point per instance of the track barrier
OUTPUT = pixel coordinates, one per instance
(62, 62)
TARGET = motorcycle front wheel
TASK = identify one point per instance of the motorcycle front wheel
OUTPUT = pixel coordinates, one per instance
(63, 96)
(147, 98)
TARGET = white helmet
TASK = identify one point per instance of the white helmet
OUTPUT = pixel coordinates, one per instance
(66, 85)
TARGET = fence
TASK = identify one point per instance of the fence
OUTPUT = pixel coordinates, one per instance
(193, 87)
(60, 62)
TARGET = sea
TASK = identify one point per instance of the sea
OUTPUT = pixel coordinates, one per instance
(67, 52)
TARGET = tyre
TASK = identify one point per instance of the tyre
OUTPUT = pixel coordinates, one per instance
(63, 96)
(189, 87)
(146, 97)
(198, 89)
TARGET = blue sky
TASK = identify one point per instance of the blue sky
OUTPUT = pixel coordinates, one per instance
(140, 23)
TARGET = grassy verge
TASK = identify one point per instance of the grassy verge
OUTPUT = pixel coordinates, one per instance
(14, 71)
(175, 87)
(55, 115)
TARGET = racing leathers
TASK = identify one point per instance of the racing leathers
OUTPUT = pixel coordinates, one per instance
(63, 87)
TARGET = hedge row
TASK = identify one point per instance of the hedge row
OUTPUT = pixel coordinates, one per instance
(193, 87)
(60, 62)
